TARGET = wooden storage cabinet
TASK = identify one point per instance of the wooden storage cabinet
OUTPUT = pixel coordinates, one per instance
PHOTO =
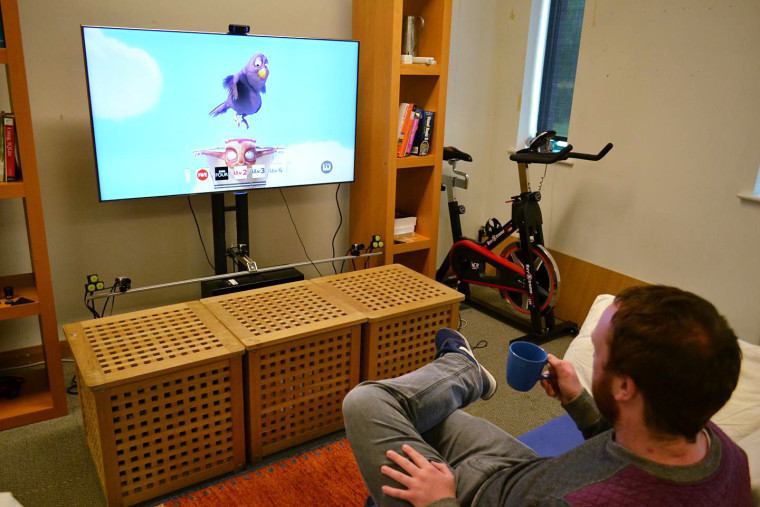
(161, 392)
(385, 183)
(302, 358)
(404, 310)
(42, 395)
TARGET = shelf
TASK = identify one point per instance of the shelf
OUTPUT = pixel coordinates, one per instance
(386, 184)
(420, 69)
(411, 243)
(34, 403)
(43, 396)
(414, 161)
(9, 190)
(23, 285)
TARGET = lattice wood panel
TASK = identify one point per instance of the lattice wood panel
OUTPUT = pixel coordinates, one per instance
(296, 388)
(396, 346)
(404, 310)
(172, 429)
(162, 399)
(386, 291)
(167, 432)
(143, 344)
(91, 427)
(283, 312)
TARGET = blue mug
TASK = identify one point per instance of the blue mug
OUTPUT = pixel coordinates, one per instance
(525, 364)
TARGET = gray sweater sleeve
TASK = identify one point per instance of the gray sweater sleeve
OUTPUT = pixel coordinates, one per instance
(445, 502)
(587, 417)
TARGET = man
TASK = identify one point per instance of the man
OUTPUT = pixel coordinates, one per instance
(664, 362)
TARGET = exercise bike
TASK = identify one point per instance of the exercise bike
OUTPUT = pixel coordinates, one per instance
(524, 274)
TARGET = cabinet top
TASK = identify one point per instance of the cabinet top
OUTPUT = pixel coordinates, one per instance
(281, 313)
(390, 291)
(125, 348)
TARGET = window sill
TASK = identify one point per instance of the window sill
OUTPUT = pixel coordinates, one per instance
(746, 196)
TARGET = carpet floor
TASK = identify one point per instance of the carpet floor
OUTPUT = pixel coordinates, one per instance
(307, 478)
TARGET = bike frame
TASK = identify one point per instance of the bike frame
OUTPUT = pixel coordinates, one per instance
(526, 219)
(470, 257)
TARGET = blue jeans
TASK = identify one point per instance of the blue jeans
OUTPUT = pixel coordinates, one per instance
(421, 409)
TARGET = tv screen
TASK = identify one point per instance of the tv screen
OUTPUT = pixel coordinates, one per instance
(176, 113)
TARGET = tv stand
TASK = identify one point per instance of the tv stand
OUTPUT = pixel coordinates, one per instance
(245, 282)
(218, 210)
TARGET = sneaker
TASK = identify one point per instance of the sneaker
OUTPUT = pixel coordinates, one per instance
(447, 340)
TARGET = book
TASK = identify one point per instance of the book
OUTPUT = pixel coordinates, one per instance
(403, 110)
(415, 150)
(427, 132)
(3, 176)
(9, 146)
(413, 130)
(406, 112)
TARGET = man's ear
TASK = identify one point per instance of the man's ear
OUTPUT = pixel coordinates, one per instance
(623, 388)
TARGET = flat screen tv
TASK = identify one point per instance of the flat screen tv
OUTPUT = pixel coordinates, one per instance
(179, 113)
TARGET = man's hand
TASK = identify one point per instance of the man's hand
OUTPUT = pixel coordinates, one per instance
(563, 384)
(425, 481)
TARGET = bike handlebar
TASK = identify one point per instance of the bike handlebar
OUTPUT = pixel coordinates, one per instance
(586, 156)
(531, 157)
(528, 156)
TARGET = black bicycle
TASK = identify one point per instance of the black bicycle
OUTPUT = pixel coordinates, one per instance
(524, 274)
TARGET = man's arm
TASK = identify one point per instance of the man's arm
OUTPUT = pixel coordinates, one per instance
(566, 387)
(585, 415)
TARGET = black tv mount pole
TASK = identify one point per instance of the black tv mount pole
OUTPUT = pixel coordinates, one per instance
(218, 209)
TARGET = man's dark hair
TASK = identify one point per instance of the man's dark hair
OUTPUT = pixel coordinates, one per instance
(680, 352)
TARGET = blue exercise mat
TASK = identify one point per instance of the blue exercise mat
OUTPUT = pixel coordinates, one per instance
(554, 437)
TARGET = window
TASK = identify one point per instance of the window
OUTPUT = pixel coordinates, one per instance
(552, 57)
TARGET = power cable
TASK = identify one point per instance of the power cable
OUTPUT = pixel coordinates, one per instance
(340, 224)
(297, 234)
(189, 203)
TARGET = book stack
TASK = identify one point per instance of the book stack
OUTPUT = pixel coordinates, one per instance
(415, 130)
(9, 166)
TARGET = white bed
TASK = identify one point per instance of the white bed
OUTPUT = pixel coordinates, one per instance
(739, 418)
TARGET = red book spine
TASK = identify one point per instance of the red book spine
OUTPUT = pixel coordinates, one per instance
(412, 132)
(404, 138)
(9, 139)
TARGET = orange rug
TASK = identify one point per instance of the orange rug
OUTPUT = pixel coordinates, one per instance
(327, 475)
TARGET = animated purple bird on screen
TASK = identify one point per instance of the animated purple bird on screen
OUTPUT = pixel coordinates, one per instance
(244, 90)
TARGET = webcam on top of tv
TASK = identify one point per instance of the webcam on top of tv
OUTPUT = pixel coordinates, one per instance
(239, 29)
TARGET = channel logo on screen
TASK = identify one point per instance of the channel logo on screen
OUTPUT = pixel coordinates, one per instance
(221, 173)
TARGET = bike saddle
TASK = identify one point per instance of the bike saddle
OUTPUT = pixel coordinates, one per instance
(451, 153)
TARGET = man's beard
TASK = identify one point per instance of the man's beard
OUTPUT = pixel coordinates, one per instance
(601, 388)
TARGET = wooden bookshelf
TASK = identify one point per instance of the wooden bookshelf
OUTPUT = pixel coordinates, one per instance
(42, 395)
(11, 189)
(386, 184)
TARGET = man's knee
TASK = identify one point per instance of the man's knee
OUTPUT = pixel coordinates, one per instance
(359, 401)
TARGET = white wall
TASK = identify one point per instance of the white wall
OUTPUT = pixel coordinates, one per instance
(675, 87)
(483, 107)
(152, 241)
